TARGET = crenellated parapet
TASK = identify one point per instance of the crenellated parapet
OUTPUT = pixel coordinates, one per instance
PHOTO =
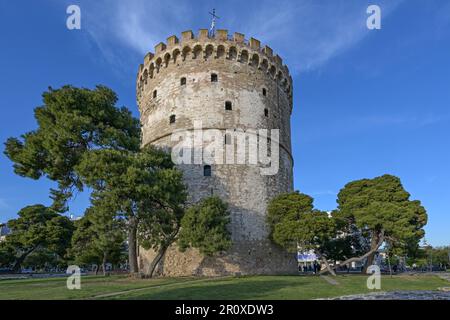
(221, 46)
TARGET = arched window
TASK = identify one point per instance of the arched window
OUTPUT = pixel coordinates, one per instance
(254, 62)
(155, 94)
(228, 106)
(183, 81)
(220, 51)
(207, 171)
(186, 52)
(266, 112)
(158, 64)
(172, 119)
(264, 92)
(214, 77)
(232, 54)
(264, 65)
(166, 59)
(209, 51)
(244, 56)
(197, 51)
(175, 55)
(145, 76)
(272, 71)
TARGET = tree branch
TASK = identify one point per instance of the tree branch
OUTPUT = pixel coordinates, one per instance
(356, 259)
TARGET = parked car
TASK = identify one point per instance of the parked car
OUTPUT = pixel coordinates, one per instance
(27, 271)
(6, 270)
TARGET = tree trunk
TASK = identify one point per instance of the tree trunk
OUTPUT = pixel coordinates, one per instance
(104, 264)
(370, 252)
(96, 269)
(327, 266)
(132, 246)
(161, 252)
(21, 259)
(389, 264)
(156, 260)
(373, 245)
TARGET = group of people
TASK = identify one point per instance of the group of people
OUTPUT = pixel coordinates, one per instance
(309, 267)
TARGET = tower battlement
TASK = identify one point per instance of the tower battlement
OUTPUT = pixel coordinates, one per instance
(222, 46)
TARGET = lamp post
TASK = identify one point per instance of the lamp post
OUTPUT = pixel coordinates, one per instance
(430, 254)
(448, 257)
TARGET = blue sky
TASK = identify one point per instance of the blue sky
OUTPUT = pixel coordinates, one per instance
(365, 102)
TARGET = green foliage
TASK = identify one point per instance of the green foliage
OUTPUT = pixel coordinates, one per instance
(381, 205)
(7, 255)
(98, 238)
(439, 255)
(142, 188)
(110, 236)
(204, 227)
(370, 212)
(82, 250)
(71, 122)
(294, 222)
(287, 204)
(43, 259)
(83, 139)
(424, 256)
(133, 184)
(38, 227)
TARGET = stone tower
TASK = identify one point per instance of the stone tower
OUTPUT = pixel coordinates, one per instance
(227, 83)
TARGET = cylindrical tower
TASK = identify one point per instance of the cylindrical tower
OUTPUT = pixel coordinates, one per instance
(229, 84)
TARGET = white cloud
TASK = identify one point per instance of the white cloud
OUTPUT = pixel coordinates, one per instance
(3, 204)
(123, 30)
(309, 33)
(306, 33)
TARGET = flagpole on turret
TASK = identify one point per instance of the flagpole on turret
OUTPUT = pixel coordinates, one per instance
(212, 30)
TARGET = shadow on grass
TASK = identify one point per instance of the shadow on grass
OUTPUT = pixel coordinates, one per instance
(240, 288)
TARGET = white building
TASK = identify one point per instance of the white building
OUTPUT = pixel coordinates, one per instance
(4, 230)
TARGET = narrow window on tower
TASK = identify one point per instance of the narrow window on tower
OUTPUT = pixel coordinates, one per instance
(227, 138)
(207, 171)
(172, 119)
(214, 77)
(155, 93)
(264, 92)
(228, 105)
(183, 81)
(266, 112)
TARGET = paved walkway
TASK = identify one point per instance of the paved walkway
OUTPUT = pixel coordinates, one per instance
(445, 276)
(403, 295)
(399, 295)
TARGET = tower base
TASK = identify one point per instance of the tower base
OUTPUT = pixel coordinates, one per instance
(244, 258)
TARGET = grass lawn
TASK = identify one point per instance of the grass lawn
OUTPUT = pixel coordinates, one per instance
(254, 287)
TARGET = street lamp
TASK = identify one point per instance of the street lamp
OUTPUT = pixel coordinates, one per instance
(448, 257)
